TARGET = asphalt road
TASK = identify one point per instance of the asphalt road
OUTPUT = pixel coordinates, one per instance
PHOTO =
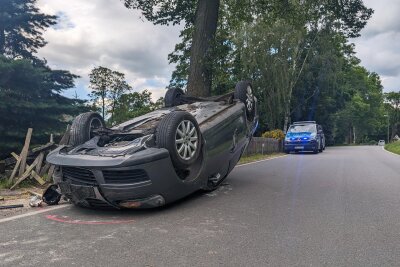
(338, 208)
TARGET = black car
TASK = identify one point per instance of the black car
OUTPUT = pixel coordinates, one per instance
(305, 136)
(191, 144)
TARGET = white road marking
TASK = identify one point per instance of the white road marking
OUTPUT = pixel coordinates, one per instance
(260, 161)
(33, 213)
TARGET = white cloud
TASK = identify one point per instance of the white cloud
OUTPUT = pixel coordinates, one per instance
(379, 44)
(104, 32)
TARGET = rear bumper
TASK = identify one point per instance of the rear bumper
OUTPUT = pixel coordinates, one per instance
(143, 180)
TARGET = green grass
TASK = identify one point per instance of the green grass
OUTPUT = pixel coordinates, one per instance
(257, 157)
(4, 184)
(393, 147)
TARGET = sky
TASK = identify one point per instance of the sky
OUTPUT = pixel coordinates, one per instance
(105, 33)
(379, 44)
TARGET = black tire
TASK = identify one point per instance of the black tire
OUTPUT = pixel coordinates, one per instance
(244, 93)
(287, 151)
(167, 135)
(82, 127)
(173, 97)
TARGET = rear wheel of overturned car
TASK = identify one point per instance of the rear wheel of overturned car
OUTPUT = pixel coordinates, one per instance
(179, 133)
(83, 127)
(244, 92)
(173, 97)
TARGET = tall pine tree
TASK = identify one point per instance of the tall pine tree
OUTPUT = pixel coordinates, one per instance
(30, 91)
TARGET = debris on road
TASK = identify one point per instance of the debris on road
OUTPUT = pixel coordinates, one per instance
(52, 195)
(11, 206)
(36, 201)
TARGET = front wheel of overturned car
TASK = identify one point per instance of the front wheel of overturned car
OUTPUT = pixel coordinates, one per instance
(179, 133)
(83, 126)
(244, 92)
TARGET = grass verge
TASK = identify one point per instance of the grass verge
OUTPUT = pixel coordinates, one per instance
(393, 147)
(257, 157)
(4, 183)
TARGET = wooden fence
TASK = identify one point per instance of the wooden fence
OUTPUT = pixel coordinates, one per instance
(261, 145)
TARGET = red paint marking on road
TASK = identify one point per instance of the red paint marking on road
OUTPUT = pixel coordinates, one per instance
(65, 219)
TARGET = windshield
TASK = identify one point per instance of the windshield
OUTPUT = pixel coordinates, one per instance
(311, 128)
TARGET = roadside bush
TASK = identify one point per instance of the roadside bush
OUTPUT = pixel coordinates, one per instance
(276, 134)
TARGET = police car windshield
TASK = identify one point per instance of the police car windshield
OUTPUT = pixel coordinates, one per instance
(310, 128)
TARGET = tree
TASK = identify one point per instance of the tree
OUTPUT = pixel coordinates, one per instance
(30, 91)
(118, 87)
(29, 97)
(21, 28)
(363, 115)
(100, 83)
(107, 87)
(270, 55)
(392, 107)
(348, 17)
(133, 105)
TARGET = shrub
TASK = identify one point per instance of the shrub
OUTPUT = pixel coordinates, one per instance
(276, 134)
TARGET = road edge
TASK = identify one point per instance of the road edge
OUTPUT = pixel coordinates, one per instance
(390, 151)
(260, 161)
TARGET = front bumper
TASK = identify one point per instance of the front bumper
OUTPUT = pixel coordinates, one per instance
(301, 146)
(143, 180)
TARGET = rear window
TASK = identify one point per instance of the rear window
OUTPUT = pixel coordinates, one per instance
(303, 128)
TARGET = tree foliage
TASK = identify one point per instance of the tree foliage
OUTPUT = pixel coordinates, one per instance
(107, 87)
(346, 17)
(21, 28)
(134, 104)
(29, 98)
(295, 52)
(30, 91)
(392, 107)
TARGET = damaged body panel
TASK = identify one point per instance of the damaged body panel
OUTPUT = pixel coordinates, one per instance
(156, 158)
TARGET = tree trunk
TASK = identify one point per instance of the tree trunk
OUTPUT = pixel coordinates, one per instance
(200, 71)
(2, 41)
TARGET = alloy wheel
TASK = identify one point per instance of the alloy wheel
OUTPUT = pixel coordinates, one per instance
(249, 99)
(186, 140)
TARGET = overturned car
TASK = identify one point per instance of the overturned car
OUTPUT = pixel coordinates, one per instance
(191, 144)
